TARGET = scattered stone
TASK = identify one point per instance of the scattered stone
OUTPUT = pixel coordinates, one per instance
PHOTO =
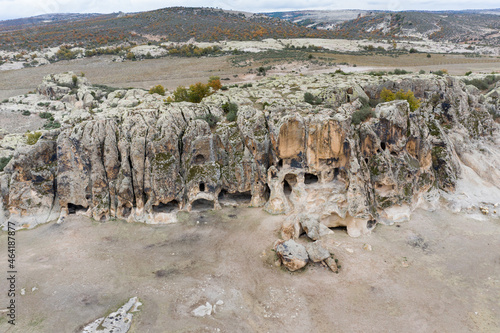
(349, 250)
(317, 252)
(332, 263)
(484, 210)
(367, 247)
(203, 310)
(23, 291)
(292, 254)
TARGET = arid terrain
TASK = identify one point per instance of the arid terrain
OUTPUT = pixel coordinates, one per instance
(172, 72)
(438, 272)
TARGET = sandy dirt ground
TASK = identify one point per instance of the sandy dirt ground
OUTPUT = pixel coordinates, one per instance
(440, 272)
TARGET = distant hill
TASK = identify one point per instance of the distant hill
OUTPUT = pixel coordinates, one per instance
(169, 24)
(471, 26)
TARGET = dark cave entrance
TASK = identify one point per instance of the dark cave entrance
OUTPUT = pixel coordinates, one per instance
(73, 209)
(202, 204)
(310, 178)
(168, 207)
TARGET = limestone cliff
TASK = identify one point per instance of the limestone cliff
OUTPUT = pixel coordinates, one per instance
(130, 155)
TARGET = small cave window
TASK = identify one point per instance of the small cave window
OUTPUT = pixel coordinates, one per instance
(126, 211)
(310, 178)
(383, 145)
(366, 160)
(336, 172)
(280, 163)
(166, 207)
(199, 159)
(73, 209)
(287, 188)
(202, 187)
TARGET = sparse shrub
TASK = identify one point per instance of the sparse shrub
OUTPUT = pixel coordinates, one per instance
(51, 124)
(45, 115)
(231, 111)
(32, 138)
(428, 55)
(361, 115)
(400, 72)
(211, 119)
(26, 113)
(468, 73)
(413, 50)
(247, 85)
(311, 99)
(157, 90)
(483, 84)
(4, 161)
(421, 71)
(5, 100)
(74, 78)
(224, 88)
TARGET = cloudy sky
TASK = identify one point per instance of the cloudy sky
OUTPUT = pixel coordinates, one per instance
(24, 8)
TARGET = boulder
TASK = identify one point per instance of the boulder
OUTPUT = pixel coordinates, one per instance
(292, 254)
(316, 251)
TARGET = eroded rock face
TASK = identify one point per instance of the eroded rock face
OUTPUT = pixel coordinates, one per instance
(141, 159)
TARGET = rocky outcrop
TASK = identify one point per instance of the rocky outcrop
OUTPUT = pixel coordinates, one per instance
(142, 159)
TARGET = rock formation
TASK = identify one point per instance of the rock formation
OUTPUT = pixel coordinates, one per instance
(131, 155)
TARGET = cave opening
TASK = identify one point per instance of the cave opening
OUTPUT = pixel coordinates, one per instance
(336, 172)
(383, 145)
(166, 207)
(202, 187)
(202, 204)
(310, 178)
(73, 209)
(239, 197)
(288, 183)
(126, 211)
(280, 163)
(199, 159)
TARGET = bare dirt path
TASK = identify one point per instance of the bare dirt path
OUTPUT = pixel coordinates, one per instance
(440, 272)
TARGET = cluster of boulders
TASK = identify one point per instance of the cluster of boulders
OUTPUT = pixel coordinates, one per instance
(294, 255)
(132, 155)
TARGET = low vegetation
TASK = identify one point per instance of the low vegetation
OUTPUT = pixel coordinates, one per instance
(362, 114)
(159, 89)
(484, 84)
(4, 161)
(386, 95)
(231, 111)
(311, 99)
(32, 138)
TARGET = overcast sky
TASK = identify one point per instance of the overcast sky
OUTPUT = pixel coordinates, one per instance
(24, 8)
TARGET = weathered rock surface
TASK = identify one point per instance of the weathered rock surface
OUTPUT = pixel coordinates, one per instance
(116, 322)
(292, 254)
(316, 251)
(128, 154)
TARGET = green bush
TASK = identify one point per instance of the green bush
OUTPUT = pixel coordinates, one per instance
(468, 73)
(311, 99)
(26, 113)
(421, 71)
(4, 161)
(483, 84)
(32, 138)
(157, 90)
(74, 78)
(361, 115)
(231, 111)
(210, 119)
(45, 115)
(51, 124)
